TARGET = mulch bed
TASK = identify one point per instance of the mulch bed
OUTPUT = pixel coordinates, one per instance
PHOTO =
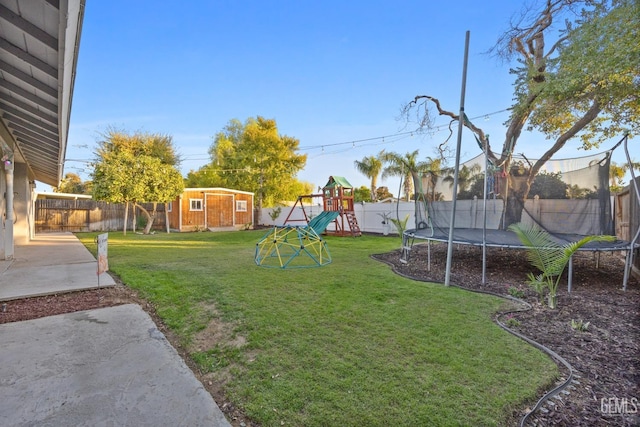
(604, 356)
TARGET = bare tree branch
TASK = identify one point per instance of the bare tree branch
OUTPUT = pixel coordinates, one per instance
(524, 28)
(423, 100)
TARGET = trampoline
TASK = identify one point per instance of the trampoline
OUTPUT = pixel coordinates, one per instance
(481, 222)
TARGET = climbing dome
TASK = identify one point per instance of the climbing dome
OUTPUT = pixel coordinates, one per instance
(292, 247)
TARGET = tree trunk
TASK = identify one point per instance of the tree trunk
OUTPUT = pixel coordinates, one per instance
(150, 219)
(126, 217)
(147, 229)
(408, 186)
(374, 185)
(258, 211)
(518, 189)
(166, 217)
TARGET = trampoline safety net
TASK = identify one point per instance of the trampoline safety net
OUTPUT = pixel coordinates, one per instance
(567, 198)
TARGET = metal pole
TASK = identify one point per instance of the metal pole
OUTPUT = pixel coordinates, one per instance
(484, 217)
(632, 244)
(457, 165)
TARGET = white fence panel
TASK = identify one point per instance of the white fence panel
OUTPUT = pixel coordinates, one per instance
(369, 215)
(577, 216)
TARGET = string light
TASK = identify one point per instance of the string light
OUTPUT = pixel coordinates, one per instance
(379, 140)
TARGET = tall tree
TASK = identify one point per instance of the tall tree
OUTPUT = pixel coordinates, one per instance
(136, 169)
(584, 84)
(71, 183)
(362, 194)
(466, 176)
(616, 176)
(617, 173)
(432, 172)
(253, 156)
(406, 167)
(370, 166)
(383, 193)
(206, 176)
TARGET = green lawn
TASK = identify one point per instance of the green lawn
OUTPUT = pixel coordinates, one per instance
(350, 343)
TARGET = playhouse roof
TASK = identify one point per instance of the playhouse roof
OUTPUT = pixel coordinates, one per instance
(338, 181)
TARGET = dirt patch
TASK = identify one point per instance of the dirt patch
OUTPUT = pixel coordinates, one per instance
(216, 332)
(604, 354)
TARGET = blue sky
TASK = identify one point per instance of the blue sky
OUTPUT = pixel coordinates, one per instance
(333, 74)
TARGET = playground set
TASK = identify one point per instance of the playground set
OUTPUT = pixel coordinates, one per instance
(337, 196)
(299, 246)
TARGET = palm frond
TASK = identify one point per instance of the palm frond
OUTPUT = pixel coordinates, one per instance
(542, 250)
(548, 256)
(557, 267)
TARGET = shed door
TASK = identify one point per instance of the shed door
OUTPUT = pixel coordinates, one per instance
(220, 210)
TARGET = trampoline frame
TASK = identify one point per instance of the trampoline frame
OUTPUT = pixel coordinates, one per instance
(493, 236)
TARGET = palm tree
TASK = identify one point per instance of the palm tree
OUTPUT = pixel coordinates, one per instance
(617, 173)
(433, 169)
(406, 167)
(465, 176)
(548, 256)
(370, 167)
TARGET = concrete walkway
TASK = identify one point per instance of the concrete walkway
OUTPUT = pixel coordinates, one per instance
(49, 264)
(104, 367)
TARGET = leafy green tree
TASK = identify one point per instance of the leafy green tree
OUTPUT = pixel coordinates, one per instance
(253, 156)
(616, 176)
(362, 194)
(71, 183)
(370, 166)
(138, 168)
(476, 188)
(383, 193)
(205, 177)
(576, 192)
(583, 84)
(617, 173)
(549, 186)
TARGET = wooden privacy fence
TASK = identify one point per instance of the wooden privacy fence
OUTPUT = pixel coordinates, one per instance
(89, 215)
(628, 216)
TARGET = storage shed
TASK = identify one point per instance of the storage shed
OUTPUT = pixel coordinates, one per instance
(214, 209)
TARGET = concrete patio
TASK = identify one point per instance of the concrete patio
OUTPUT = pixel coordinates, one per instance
(103, 367)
